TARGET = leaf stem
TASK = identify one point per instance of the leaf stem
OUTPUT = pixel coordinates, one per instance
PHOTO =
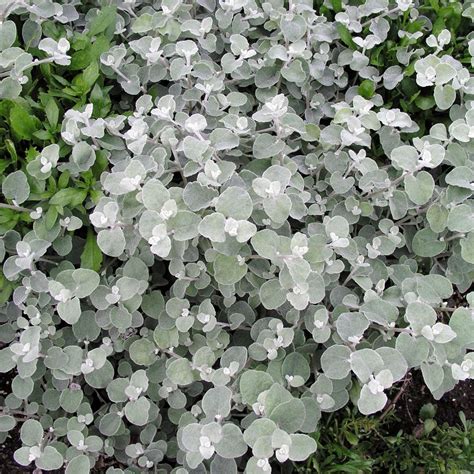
(14, 208)
(368, 22)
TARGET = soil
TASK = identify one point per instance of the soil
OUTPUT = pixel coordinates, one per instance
(7, 448)
(415, 394)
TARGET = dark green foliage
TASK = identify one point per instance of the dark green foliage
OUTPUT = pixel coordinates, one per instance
(351, 443)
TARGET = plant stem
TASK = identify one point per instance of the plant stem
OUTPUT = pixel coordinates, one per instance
(368, 22)
(393, 402)
(14, 208)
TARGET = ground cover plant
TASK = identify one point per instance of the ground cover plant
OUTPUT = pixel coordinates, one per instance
(221, 219)
(350, 443)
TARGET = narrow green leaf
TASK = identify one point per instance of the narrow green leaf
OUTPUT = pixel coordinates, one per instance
(52, 112)
(91, 256)
(103, 20)
(68, 197)
(346, 36)
(366, 89)
(51, 216)
(23, 123)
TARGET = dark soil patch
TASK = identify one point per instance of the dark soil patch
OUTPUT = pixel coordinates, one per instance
(416, 394)
(7, 448)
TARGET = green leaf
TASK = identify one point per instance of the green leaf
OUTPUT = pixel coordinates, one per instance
(366, 89)
(120, 318)
(420, 314)
(63, 180)
(70, 400)
(78, 465)
(82, 59)
(302, 446)
(271, 294)
(86, 280)
(185, 225)
(261, 427)
(83, 82)
(23, 123)
(232, 444)
(278, 208)
(70, 311)
(426, 243)
(235, 202)
(91, 74)
(420, 187)
(425, 103)
(7, 423)
(289, 416)
(50, 459)
(137, 411)
(461, 218)
(51, 110)
(22, 388)
(217, 402)
(180, 372)
(111, 241)
(467, 248)
(337, 5)
(15, 187)
(414, 350)
(223, 139)
(51, 217)
(10, 147)
(295, 364)
(444, 96)
(433, 375)
(252, 383)
(228, 270)
(105, 18)
(346, 36)
(335, 362)
(437, 216)
(267, 146)
(369, 402)
(68, 197)
(142, 352)
(110, 424)
(7, 34)
(91, 256)
(31, 432)
(462, 324)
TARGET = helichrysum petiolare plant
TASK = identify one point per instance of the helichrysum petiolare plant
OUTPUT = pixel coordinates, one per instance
(239, 214)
